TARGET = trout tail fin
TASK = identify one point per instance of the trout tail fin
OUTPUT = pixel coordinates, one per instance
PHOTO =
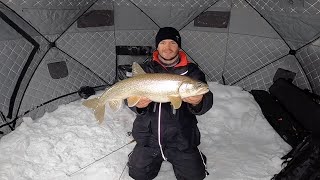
(99, 110)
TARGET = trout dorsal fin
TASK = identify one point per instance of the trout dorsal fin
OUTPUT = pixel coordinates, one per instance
(137, 69)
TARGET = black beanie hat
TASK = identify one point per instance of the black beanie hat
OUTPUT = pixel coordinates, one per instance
(168, 33)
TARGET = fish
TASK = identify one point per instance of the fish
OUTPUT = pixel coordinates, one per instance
(158, 87)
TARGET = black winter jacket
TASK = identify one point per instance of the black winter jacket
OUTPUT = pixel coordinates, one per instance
(178, 128)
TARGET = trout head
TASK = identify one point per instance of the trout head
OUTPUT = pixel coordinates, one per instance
(192, 88)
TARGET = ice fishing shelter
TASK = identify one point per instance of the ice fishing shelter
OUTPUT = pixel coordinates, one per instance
(49, 49)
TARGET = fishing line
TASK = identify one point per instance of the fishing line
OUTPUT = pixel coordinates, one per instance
(123, 171)
(86, 166)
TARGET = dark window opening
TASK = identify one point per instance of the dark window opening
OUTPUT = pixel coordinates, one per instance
(96, 18)
(58, 70)
(214, 19)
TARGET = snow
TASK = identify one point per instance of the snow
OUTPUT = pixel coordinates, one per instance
(68, 144)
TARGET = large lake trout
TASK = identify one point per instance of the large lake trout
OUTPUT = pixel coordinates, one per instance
(158, 87)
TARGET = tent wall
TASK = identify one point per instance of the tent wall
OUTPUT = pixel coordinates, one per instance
(44, 88)
(310, 60)
(20, 55)
(247, 53)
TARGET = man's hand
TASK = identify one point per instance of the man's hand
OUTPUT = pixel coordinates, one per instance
(193, 100)
(143, 102)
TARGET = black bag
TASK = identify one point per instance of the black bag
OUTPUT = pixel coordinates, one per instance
(304, 163)
(279, 118)
(124, 71)
(302, 106)
(86, 91)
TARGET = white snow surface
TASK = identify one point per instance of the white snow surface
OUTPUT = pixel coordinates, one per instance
(69, 144)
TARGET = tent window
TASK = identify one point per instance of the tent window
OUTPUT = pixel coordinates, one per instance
(58, 70)
(96, 18)
(214, 19)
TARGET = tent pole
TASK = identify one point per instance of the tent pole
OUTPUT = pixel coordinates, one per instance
(268, 23)
(83, 66)
(310, 84)
(198, 15)
(45, 103)
(280, 57)
(36, 47)
(144, 13)
(115, 45)
(5, 120)
(189, 23)
(74, 22)
(235, 82)
(314, 40)
(226, 51)
(18, 109)
(26, 22)
(17, 117)
(8, 124)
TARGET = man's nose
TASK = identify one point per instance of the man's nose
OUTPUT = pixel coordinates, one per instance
(167, 46)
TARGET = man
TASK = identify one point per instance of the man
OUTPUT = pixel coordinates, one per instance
(163, 133)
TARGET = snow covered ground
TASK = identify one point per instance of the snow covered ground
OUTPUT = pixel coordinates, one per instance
(68, 144)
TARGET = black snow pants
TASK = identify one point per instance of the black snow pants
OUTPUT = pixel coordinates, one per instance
(145, 162)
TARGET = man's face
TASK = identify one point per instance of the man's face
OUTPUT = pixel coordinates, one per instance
(168, 50)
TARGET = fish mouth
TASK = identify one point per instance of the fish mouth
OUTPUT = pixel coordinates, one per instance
(203, 90)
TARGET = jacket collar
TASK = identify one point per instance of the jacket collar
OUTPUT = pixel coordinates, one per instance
(182, 55)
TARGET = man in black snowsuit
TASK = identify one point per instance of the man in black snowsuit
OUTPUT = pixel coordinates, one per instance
(163, 133)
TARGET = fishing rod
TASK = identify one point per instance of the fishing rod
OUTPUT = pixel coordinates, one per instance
(81, 168)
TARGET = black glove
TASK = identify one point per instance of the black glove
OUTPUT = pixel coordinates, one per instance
(86, 91)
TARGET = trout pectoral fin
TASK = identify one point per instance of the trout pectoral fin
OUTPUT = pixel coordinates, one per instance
(99, 113)
(133, 100)
(91, 103)
(115, 105)
(175, 101)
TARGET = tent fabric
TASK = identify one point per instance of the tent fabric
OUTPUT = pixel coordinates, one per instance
(261, 37)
